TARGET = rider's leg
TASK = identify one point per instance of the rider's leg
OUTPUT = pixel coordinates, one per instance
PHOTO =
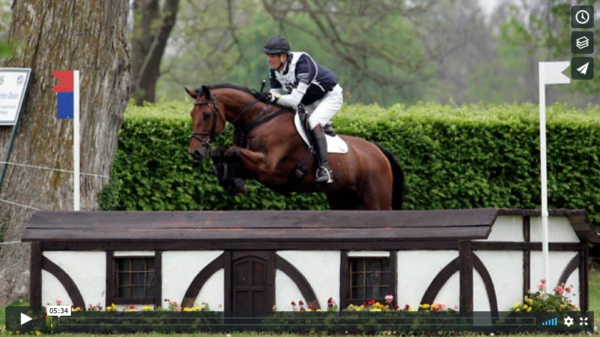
(322, 115)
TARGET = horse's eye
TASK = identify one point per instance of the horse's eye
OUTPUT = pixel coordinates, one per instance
(207, 116)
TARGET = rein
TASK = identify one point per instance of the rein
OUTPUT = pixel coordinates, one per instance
(253, 123)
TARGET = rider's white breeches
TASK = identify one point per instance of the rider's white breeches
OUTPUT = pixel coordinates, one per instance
(323, 110)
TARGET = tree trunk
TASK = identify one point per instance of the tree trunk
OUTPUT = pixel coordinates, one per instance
(150, 36)
(84, 35)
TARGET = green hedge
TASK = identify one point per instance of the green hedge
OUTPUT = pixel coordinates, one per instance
(453, 157)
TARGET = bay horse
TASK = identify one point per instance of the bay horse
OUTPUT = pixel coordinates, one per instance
(267, 148)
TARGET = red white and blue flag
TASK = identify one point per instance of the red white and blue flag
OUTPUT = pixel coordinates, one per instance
(65, 94)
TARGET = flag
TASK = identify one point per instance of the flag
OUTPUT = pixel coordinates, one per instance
(65, 94)
(552, 72)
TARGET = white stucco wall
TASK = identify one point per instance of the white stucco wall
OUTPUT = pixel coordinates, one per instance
(286, 292)
(321, 269)
(559, 230)
(88, 271)
(179, 268)
(213, 291)
(450, 292)
(507, 228)
(480, 297)
(506, 271)
(558, 262)
(53, 290)
(416, 270)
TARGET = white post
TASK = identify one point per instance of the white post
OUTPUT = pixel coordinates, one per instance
(76, 184)
(545, 251)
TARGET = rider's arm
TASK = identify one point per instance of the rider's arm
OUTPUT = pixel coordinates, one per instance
(306, 71)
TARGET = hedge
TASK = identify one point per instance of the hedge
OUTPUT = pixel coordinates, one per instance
(453, 157)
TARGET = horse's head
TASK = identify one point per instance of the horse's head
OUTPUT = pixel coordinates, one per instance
(207, 122)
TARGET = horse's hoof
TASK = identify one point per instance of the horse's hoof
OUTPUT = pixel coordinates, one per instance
(235, 187)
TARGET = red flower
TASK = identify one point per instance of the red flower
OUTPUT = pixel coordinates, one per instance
(407, 307)
(293, 304)
(371, 302)
(311, 306)
(301, 303)
(302, 309)
(132, 307)
(396, 307)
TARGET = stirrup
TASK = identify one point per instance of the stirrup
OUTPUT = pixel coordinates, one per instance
(323, 172)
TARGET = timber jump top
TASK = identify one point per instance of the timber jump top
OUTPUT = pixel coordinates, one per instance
(318, 227)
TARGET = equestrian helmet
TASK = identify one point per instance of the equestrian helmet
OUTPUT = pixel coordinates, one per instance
(277, 45)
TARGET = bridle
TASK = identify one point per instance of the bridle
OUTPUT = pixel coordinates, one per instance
(206, 143)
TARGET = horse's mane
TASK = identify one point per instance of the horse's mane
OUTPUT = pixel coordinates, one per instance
(231, 86)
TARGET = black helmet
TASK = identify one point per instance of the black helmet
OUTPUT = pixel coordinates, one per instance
(277, 45)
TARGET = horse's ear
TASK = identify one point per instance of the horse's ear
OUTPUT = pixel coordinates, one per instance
(192, 93)
(206, 92)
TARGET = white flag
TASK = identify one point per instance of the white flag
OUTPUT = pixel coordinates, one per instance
(552, 73)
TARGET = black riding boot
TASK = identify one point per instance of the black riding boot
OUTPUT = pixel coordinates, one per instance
(323, 174)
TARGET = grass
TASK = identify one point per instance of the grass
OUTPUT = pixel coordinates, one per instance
(594, 306)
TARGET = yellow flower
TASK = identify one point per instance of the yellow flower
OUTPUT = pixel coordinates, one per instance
(319, 310)
(146, 308)
(375, 309)
(516, 305)
(529, 309)
(517, 309)
(525, 306)
(38, 333)
(424, 306)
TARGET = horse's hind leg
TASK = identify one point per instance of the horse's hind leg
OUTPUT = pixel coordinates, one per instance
(376, 193)
(346, 199)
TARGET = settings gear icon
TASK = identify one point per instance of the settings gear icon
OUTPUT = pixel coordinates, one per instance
(568, 321)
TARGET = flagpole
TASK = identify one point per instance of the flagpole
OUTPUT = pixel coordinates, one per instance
(76, 183)
(545, 251)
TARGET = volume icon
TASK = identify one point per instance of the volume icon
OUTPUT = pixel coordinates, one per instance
(553, 321)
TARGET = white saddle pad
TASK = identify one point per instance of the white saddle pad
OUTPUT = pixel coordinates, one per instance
(334, 144)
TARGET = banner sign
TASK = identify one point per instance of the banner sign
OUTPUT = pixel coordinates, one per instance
(13, 87)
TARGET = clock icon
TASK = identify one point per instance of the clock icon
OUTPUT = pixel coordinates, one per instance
(582, 17)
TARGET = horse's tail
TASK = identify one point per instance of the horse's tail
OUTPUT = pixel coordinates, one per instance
(398, 176)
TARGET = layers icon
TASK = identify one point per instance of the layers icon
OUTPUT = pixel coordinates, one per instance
(582, 42)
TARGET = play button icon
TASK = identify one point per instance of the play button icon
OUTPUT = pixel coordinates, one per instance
(25, 319)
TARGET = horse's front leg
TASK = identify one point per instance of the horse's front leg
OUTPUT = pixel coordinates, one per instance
(217, 155)
(254, 164)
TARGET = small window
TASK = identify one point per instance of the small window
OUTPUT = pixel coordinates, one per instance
(135, 280)
(370, 278)
(367, 276)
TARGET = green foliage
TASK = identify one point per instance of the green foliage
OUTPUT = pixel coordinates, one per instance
(453, 157)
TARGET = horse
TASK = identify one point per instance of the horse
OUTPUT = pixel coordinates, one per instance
(268, 148)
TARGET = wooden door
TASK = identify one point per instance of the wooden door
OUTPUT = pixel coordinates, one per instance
(253, 280)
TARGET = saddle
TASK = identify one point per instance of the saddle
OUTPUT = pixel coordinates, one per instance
(327, 129)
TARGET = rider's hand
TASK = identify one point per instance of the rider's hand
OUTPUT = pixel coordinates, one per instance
(264, 96)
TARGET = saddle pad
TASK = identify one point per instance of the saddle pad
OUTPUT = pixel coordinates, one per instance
(334, 144)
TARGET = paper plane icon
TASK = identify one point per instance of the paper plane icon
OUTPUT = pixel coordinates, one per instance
(583, 68)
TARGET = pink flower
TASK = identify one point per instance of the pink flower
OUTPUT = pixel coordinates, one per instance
(330, 302)
(179, 309)
(543, 281)
(559, 290)
(389, 298)
(568, 289)
(58, 302)
(542, 286)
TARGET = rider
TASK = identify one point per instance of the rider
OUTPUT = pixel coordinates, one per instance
(309, 83)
